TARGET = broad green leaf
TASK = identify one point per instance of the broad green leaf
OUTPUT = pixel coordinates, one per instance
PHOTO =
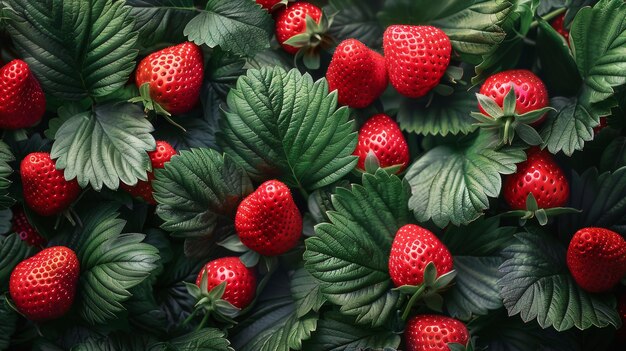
(570, 126)
(453, 184)
(196, 189)
(241, 27)
(76, 48)
(207, 339)
(7, 327)
(557, 64)
(598, 42)
(306, 292)
(12, 251)
(110, 342)
(110, 263)
(537, 285)
(282, 125)
(161, 20)
(356, 19)
(349, 255)
(5, 171)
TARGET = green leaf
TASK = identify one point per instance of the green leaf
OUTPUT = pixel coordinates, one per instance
(283, 125)
(7, 327)
(558, 67)
(355, 19)
(196, 189)
(241, 27)
(598, 42)
(452, 184)
(76, 48)
(5, 171)
(12, 251)
(105, 146)
(161, 20)
(110, 263)
(207, 339)
(536, 284)
(569, 127)
(306, 292)
(349, 255)
(5, 220)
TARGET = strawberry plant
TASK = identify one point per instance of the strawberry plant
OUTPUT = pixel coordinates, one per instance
(312, 175)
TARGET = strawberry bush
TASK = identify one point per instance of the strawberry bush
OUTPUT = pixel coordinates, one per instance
(312, 175)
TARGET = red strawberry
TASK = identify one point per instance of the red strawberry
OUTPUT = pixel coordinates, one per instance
(268, 220)
(433, 333)
(412, 249)
(291, 21)
(45, 189)
(357, 73)
(596, 257)
(603, 124)
(416, 57)
(22, 102)
(143, 189)
(538, 175)
(271, 5)
(175, 75)
(25, 230)
(558, 24)
(381, 135)
(43, 286)
(240, 280)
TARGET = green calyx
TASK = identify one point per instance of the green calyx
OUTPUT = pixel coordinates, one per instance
(312, 41)
(533, 211)
(211, 302)
(150, 105)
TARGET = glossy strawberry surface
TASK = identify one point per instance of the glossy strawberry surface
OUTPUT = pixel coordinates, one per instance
(240, 280)
(430, 332)
(382, 136)
(22, 102)
(143, 189)
(292, 21)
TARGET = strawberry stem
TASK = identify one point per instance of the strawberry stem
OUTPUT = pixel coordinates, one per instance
(203, 322)
(549, 16)
(416, 295)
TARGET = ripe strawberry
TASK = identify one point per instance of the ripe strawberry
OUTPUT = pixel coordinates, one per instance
(175, 75)
(43, 286)
(416, 58)
(538, 175)
(240, 280)
(412, 249)
(22, 102)
(291, 21)
(433, 333)
(45, 189)
(271, 5)
(381, 135)
(357, 73)
(268, 220)
(25, 230)
(143, 189)
(558, 24)
(603, 124)
(596, 257)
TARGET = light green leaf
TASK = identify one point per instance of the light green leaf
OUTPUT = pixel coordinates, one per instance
(283, 125)
(349, 255)
(5, 171)
(76, 48)
(12, 251)
(161, 21)
(569, 127)
(241, 27)
(453, 184)
(355, 19)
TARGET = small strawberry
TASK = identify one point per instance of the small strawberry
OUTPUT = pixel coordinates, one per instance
(43, 286)
(433, 333)
(271, 5)
(538, 175)
(45, 189)
(268, 220)
(381, 136)
(596, 257)
(240, 280)
(25, 230)
(174, 75)
(22, 102)
(357, 73)
(558, 23)
(143, 189)
(416, 58)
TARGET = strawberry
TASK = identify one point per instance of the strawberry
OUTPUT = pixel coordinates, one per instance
(292, 21)
(240, 280)
(143, 189)
(603, 124)
(271, 5)
(558, 23)
(412, 249)
(382, 136)
(25, 230)
(43, 286)
(22, 102)
(268, 220)
(45, 189)
(175, 76)
(596, 257)
(538, 175)
(416, 58)
(357, 73)
(433, 333)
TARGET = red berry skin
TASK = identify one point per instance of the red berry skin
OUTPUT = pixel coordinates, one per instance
(175, 75)
(268, 4)
(143, 189)
(558, 24)
(43, 286)
(433, 333)
(268, 220)
(416, 58)
(22, 102)
(45, 189)
(538, 175)
(412, 249)
(240, 280)
(291, 21)
(25, 230)
(357, 73)
(596, 257)
(381, 135)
